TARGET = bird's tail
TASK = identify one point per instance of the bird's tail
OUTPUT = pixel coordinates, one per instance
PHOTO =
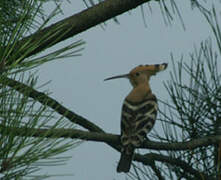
(125, 160)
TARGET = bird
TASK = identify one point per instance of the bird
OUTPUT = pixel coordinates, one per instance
(139, 111)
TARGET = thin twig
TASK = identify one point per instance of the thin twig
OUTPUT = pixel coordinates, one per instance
(157, 171)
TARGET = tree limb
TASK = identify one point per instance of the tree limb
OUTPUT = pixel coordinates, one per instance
(112, 138)
(98, 134)
(147, 158)
(181, 146)
(76, 24)
(64, 133)
(101, 136)
(52, 103)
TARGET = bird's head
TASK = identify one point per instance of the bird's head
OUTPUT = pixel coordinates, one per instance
(141, 74)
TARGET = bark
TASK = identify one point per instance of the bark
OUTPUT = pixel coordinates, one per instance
(74, 25)
(97, 134)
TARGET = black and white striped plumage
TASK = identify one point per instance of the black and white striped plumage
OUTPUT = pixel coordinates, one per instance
(137, 120)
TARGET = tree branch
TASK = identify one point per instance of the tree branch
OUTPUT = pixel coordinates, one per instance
(57, 107)
(180, 146)
(98, 134)
(64, 133)
(101, 136)
(76, 24)
(112, 138)
(52, 103)
(157, 171)
(147, 158)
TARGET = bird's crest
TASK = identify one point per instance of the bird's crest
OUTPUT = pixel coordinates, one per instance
(154, 68)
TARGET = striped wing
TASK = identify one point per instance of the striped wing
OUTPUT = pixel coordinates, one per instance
(137, 120)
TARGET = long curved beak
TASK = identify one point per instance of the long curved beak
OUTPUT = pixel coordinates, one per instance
(116, 77)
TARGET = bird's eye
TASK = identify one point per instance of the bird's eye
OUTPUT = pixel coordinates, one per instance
(137, 73)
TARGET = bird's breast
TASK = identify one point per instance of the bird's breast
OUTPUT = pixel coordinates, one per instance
(137, 120)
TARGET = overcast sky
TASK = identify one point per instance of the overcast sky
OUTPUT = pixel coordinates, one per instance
(78, 82)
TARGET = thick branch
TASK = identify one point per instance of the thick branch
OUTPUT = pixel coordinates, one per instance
(77, 23)
(113, 139)
(147, 159)
(65, 133)
(73, 117)
(181, 146)
(57, 107)
(52, 103)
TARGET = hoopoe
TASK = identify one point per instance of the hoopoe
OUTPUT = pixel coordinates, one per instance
(139, 111)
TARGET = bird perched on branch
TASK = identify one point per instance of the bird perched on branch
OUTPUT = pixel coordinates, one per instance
(139, 112)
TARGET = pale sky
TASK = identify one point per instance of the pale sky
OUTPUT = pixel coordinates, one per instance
(78, 83)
